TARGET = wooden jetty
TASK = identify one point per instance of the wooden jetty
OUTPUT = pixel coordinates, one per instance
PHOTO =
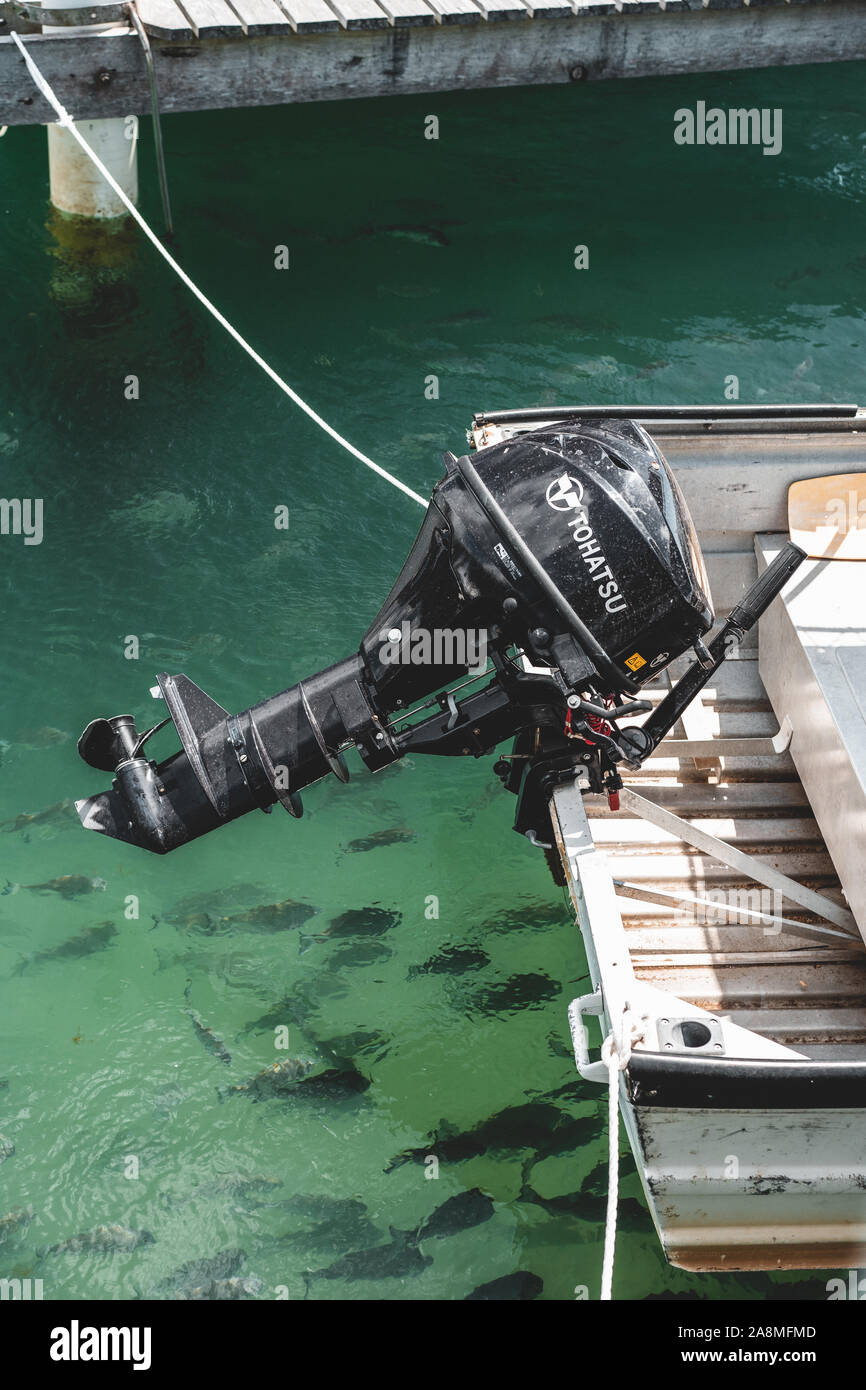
(232, 53)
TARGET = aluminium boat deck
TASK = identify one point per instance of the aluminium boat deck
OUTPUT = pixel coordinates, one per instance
(808, 996)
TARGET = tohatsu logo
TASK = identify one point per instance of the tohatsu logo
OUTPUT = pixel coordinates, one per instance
(565, 494)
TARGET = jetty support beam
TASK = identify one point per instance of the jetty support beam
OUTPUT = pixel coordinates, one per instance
(105, 75)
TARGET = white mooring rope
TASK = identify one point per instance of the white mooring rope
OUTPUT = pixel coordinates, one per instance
(64, 119)
(615, 1053)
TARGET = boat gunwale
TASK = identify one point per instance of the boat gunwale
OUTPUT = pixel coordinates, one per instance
(681, 1081)
(807, 413)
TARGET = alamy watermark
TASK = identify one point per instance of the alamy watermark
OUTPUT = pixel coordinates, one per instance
(748, 907)
(77, 1343)
(443, 646)
(20, 1290)
(854, 1289)
(848, 513)
(22, 516)
(737, 126)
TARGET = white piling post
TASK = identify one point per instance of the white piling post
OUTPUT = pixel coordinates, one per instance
(76, 186)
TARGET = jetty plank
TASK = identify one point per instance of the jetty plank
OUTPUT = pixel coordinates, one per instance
(163, 19)
(550, 9)
(261, 16)
(596, 7)
(360, 14)
(405, 12)
(212, 19)
(310, 16)
(456, 11)
(503, 9)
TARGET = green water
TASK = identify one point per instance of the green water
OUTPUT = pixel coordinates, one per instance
(159, 524)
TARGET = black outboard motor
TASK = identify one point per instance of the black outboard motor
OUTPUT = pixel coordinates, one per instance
(571, 544)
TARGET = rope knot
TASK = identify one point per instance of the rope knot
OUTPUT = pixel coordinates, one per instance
(619, 1042)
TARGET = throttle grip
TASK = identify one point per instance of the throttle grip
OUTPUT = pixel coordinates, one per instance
(764, 590)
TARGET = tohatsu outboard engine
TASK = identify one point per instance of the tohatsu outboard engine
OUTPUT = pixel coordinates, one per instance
(553, 575)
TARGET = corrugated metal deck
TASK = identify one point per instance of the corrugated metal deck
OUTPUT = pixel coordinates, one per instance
(806, 995)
